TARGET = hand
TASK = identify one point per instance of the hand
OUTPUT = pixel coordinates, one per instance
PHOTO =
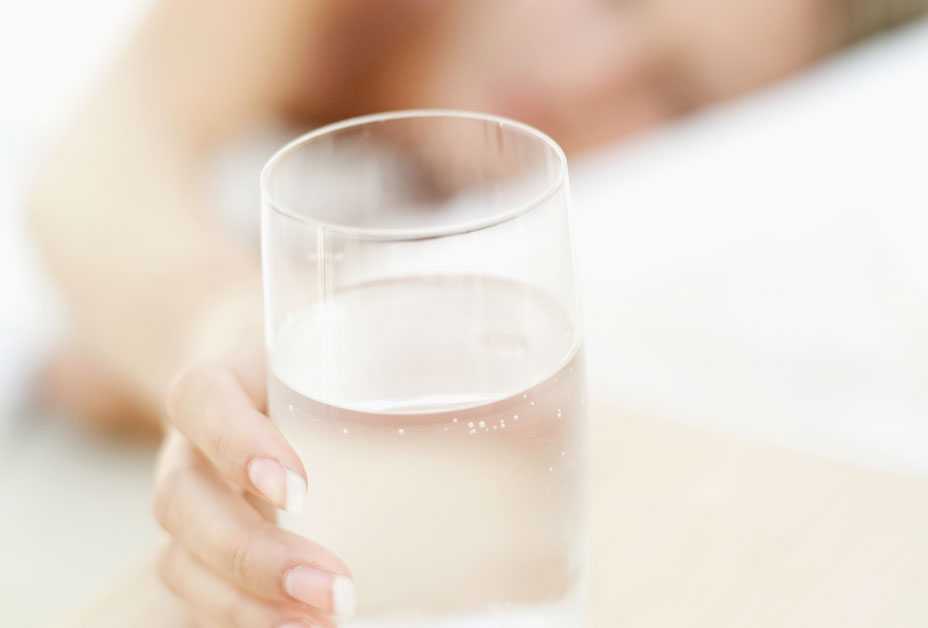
(222, 468)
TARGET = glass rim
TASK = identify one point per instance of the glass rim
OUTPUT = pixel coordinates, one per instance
(497, 218)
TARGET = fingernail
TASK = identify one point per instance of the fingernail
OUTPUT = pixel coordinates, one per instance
(343, 598)
(296, 491)
(325, 591)
(279, 485)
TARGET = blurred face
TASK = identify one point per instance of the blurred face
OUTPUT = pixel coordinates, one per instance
(577, 70)
(586, 71)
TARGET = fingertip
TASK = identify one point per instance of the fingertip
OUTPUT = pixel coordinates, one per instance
(330, 593)
(344, 601)
(281, 486)
(267, 477)
(296, 489)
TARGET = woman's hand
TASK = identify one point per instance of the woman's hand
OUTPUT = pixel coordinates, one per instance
(223, 468)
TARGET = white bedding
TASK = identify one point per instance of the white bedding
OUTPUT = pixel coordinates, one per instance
(762, 269)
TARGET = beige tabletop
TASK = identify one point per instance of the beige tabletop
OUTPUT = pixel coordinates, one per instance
(697, 529)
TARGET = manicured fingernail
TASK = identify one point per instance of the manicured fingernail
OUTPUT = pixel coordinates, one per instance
(325, 591)
(296, 492)
(281, 486)
(343, 599)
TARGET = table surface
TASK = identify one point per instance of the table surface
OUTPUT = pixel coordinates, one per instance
(694, 528)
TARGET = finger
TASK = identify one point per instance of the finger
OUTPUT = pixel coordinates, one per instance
(217, 526)
(215, 603)
(262, 507)
(249, 363)
(211, 407)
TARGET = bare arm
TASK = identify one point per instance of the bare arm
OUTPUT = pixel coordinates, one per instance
(118, 210)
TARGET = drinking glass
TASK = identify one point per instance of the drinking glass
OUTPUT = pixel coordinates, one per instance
(424, 347)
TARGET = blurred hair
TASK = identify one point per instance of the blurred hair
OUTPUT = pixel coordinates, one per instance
(868, 17)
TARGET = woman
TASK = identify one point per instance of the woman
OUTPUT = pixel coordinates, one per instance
(161, 297)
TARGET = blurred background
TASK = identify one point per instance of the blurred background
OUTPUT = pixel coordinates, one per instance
(749, 182)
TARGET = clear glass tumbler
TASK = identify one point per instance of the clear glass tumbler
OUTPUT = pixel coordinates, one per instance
(425, 361)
